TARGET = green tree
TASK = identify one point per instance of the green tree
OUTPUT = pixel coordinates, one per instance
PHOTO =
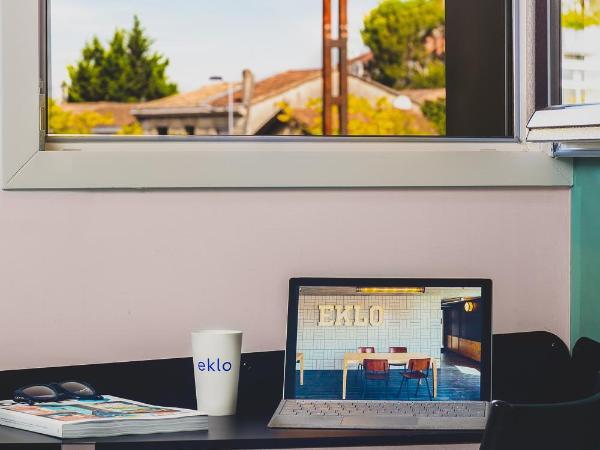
(396, 32)
(435, 111)
(86, 77)
(127, 71)
(433, 75)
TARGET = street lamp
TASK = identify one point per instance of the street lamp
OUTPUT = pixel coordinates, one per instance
(229, 102)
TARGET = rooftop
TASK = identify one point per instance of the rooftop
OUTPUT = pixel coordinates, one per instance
(120, 112)
(215, 95)
(274, 85)
(199, 97)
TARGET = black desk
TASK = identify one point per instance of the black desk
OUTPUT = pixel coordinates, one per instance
(239, 433)
(261, 381)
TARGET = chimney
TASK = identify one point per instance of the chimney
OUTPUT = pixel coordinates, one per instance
(64, 88)
(247, 94)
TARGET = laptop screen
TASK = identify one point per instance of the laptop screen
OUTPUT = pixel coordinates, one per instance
(404, 341)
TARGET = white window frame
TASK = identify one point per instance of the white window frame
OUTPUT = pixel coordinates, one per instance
(253, 163)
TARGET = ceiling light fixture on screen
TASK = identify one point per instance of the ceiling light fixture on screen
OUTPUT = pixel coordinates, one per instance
(471, 306)
(390, 290)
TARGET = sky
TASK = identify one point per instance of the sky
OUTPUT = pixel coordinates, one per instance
(204, 38)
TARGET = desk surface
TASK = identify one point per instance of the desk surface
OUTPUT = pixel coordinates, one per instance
(243, 433)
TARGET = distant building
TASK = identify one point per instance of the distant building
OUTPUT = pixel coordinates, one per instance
(205, 111)
(581, 65)
(358, 66)
(435, 43)
(256, 105)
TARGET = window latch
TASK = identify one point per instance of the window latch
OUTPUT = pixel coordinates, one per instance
(43, 113)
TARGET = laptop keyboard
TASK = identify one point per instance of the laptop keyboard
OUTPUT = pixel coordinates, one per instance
(376, 408)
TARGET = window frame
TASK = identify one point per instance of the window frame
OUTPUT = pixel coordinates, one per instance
(95, 163)
(572, 130)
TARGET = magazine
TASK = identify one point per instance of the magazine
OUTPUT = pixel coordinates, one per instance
(111, 416)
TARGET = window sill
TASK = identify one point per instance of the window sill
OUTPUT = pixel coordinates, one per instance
(289, 165)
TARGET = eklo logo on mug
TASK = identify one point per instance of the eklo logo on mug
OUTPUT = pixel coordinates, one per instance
(214, 366)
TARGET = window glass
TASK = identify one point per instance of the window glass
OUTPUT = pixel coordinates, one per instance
(255, 67)
(580, 51)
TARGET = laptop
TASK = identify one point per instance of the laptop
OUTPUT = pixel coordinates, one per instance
(387, 353)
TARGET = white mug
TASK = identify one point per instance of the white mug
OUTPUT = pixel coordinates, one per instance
(216, 370)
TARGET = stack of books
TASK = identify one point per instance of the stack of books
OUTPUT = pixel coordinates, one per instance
(111, 416)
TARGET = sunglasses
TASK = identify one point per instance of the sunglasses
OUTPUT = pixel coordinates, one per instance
(56, 392)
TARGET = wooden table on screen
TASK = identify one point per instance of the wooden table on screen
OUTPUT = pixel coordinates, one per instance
(300, 359)
(392, 358)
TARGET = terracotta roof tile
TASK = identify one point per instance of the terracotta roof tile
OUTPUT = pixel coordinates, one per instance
(199, 97)
(121, 112)
(274, 85)
(215, 95)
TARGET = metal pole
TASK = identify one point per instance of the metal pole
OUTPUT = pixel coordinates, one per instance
(342, 100)
(327, 75)
(341, 45)
(230, 109)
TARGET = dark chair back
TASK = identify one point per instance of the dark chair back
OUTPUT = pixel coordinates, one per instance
(398, 350)
(532, 367)
(559, 426)
(419, 365)
(375, 366)
(366, 349)
(586, 367)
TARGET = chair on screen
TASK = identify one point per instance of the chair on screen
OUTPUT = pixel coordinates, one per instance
(364, 350)
(418, 369)
(398, 350)
(375, 370)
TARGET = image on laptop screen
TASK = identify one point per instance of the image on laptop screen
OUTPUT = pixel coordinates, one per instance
(389, 343)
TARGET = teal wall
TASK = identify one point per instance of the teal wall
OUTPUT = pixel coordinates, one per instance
(585, 252)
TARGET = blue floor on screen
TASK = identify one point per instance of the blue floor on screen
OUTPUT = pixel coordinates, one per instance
(456, 381)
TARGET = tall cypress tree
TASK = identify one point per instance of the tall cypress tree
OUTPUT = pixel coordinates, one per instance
(86, 78)
(127, 71)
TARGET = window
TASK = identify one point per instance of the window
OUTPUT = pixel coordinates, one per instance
(487, 85)
(580, 51)
(251, 68)
(572, 122)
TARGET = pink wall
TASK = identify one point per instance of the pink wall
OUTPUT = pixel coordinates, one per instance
(108, 276)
